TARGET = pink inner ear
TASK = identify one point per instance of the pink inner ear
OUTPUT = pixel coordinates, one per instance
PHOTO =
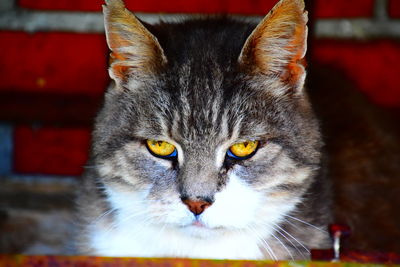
(118, 69)
(297, 63)
(295, 71)
(115, 41)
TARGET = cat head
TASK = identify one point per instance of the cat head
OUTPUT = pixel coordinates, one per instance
(207, 128)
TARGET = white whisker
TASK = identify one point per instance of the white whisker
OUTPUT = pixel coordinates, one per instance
(292, 244)
(264, 243)
(288, 251)
(295, 239)
(104, 214)
(131, 216)
(306, 223)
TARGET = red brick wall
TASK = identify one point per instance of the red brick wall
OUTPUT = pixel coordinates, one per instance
(371, 65)
(394, 8)
(56, 79)
(60, 63)
(50, 150)
(324, 8)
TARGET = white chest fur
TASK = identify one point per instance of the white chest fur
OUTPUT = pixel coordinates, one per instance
(152, 242)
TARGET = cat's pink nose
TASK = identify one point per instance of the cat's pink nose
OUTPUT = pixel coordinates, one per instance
(196, 207)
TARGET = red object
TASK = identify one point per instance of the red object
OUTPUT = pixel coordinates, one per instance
(343, 229)
(72, 5)
(322, 8)
(394, 8)
(53, 62)
(155, 6)
(343, 8)
(373, 66)
(50, 150)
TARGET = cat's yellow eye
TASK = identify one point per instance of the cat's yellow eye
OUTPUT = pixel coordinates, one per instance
(242, 150)
(161, 148)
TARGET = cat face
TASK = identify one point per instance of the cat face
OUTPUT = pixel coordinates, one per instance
(242, 193)
(204, 90)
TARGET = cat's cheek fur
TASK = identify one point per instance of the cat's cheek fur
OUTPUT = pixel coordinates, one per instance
(234, 207)
(124, 166)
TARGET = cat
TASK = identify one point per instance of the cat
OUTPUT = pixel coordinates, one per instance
(207, 145)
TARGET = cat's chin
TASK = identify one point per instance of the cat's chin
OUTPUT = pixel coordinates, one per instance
(198, 229)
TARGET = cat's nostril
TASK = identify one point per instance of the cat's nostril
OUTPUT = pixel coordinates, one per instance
(196, 207)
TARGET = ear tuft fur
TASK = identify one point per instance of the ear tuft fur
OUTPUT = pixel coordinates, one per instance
(277, 46)
(134, 50)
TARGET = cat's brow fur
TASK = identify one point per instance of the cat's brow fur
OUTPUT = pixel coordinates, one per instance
(199, 96)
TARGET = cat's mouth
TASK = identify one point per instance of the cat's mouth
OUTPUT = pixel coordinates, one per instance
(199, 224)
(196, 224)
(198, 228)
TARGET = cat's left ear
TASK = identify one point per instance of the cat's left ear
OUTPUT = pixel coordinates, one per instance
(278, 44)
(134, 50)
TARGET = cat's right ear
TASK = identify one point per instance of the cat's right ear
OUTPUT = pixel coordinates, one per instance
(134, 50)
(277, 46)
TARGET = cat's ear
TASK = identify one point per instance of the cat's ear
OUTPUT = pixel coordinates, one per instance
(277, 46)
(134, 50)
